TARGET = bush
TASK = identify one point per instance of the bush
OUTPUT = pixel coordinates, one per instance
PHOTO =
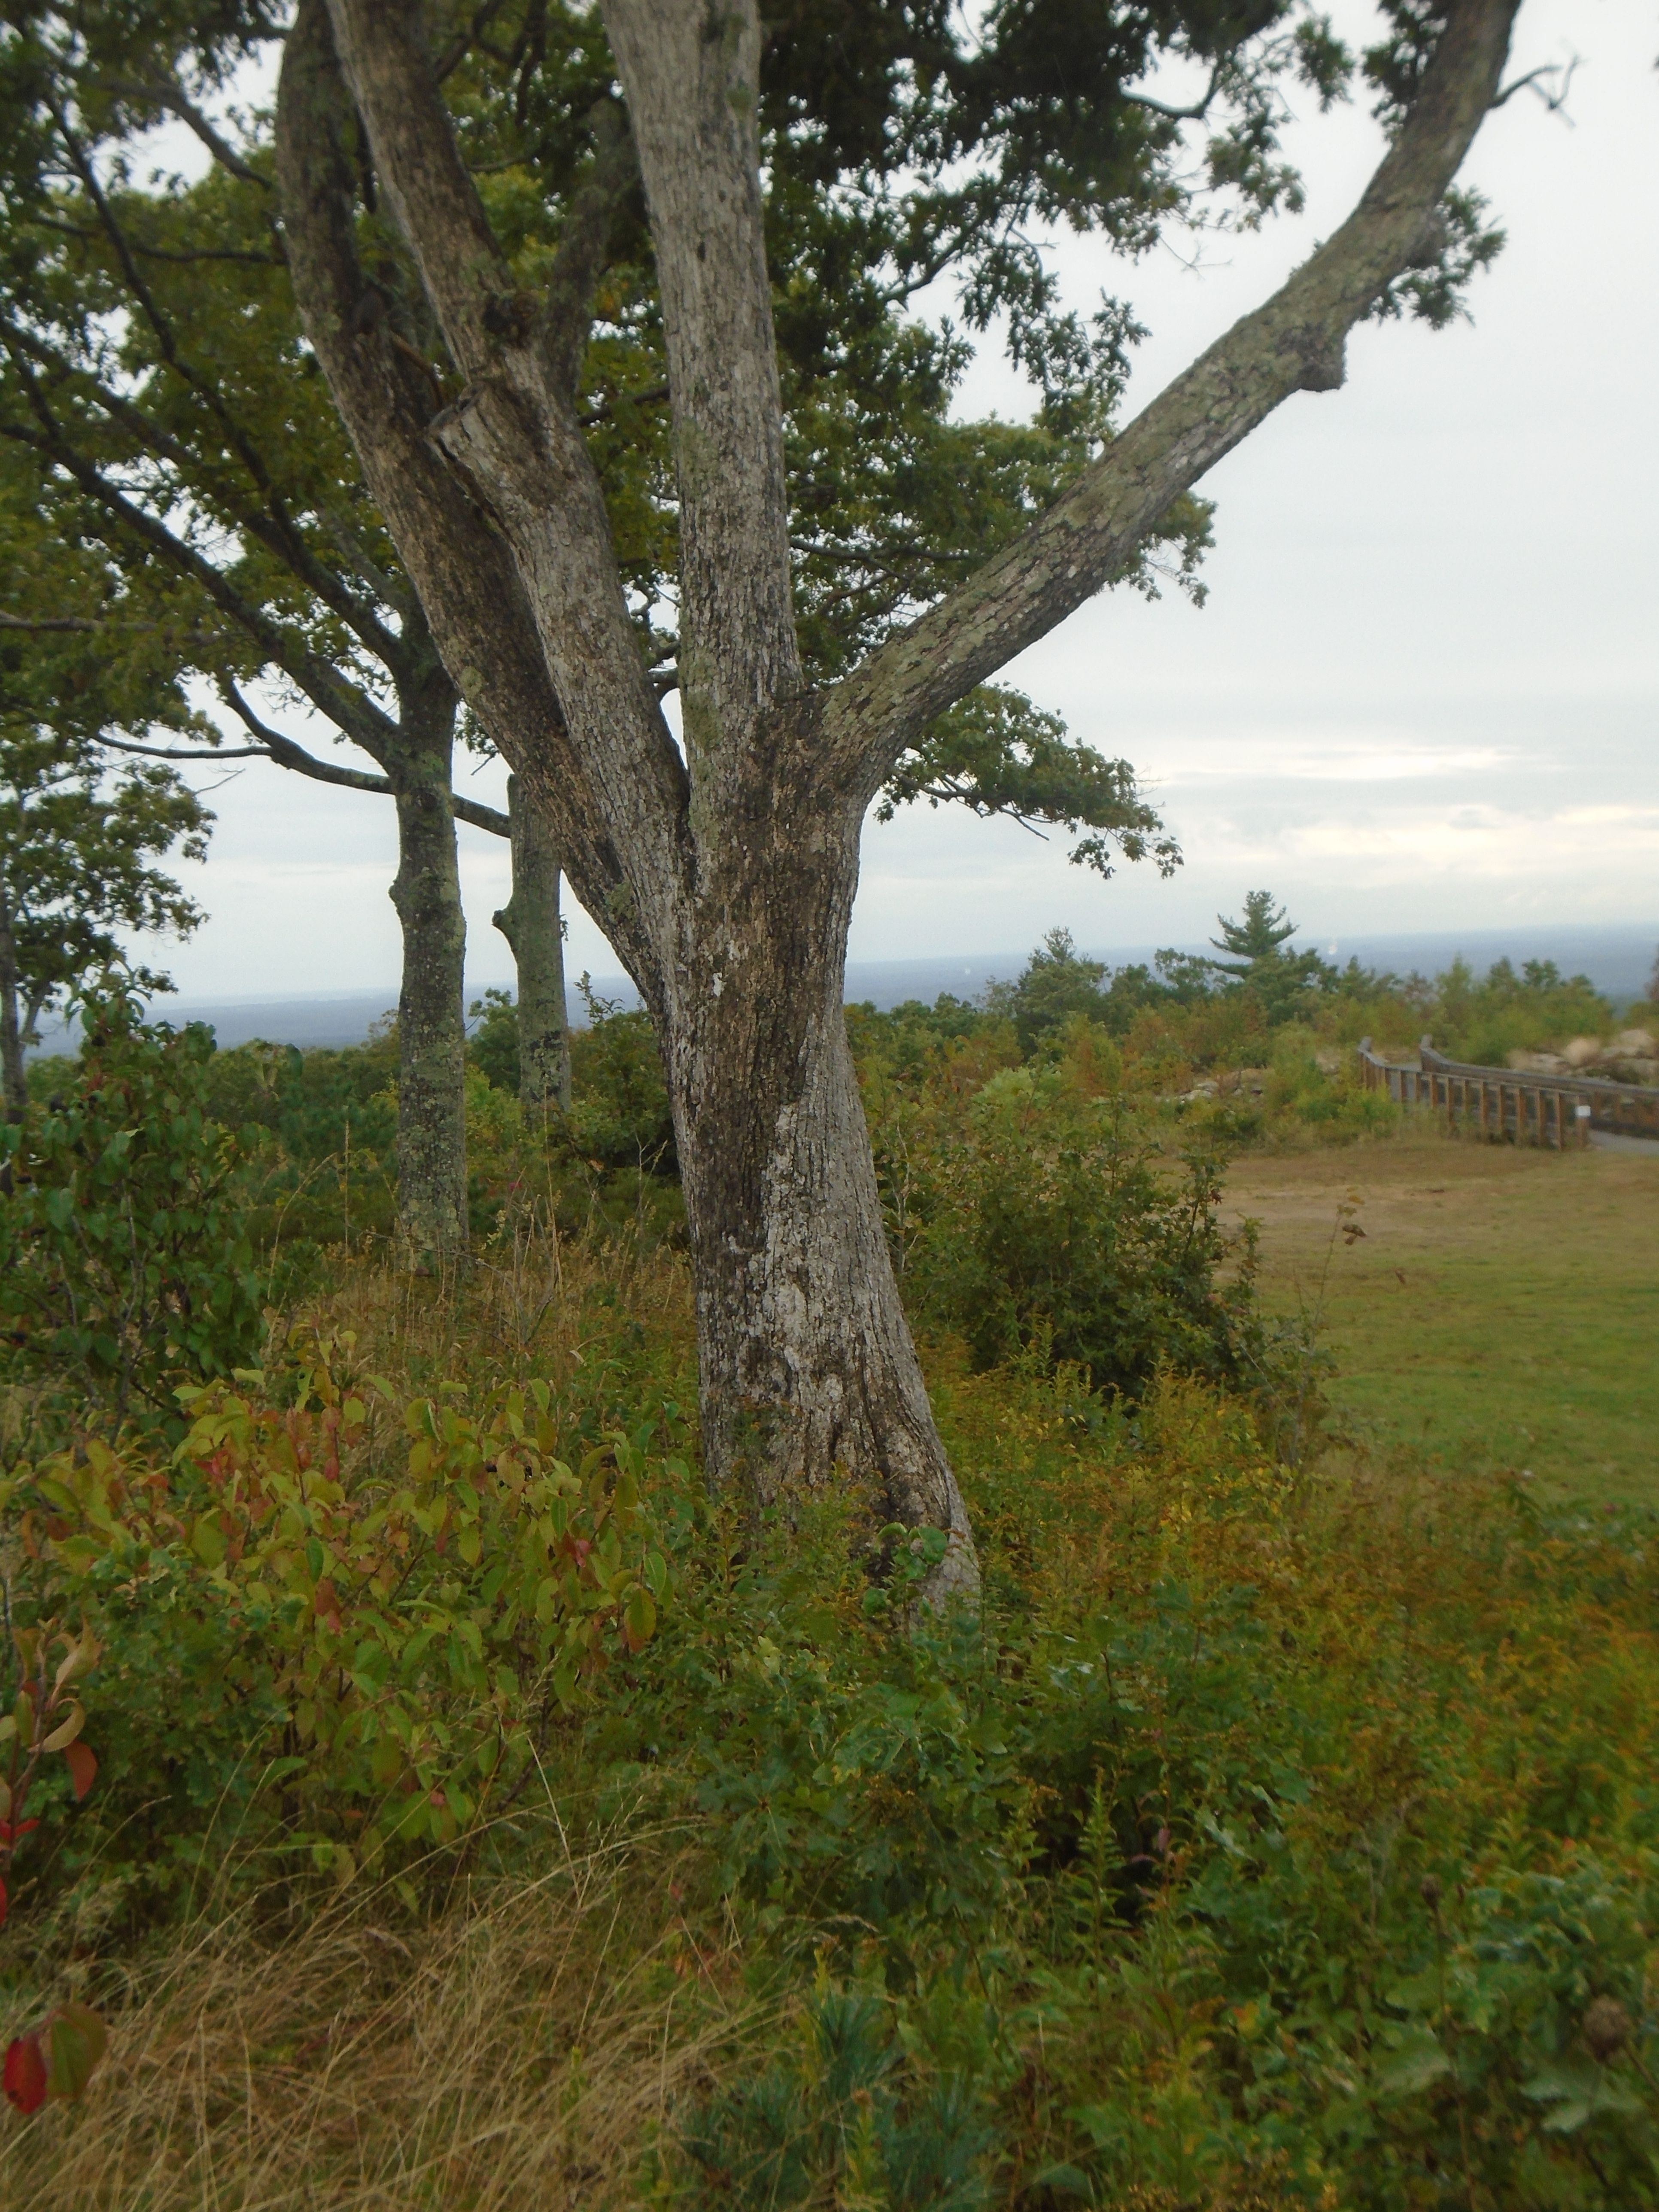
(125, 1268)
(330, 1627)
(621, 1117)
(1053, 1223)
(493, 1044)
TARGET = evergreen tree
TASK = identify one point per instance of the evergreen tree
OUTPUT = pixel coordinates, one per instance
(1259, 962)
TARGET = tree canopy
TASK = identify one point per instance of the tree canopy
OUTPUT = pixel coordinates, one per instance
(79, 840)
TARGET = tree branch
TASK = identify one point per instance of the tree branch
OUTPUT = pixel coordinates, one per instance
(480, 815)
(459, 564)
(275, 529)
(368, 725)
(83, 625)
(286, 754)
(1193, 112)
(81, 230)
(168, 93)
(1093, 533)
(466, 277)
(694, 102)
(567, 311)
(1555, 100)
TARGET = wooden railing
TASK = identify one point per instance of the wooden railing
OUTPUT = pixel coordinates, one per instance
(1506, 1102)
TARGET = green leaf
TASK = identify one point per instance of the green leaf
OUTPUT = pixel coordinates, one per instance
(76, 2040)
(207, 1540)
(1416, 2061)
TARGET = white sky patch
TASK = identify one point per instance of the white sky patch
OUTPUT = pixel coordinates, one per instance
(1213, 760)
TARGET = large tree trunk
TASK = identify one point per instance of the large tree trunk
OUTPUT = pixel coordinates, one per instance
(808, 1373)
(16, 1083)
(532, 924)
(432, 1210)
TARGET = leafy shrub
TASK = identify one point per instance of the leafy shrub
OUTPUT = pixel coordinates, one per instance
(372, 1620)
(124, 1264)
(1054, 1223)
(492, 1044)
(621, 1116)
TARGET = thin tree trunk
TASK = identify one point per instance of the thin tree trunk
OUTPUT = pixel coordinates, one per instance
(432, 1209)
(806, 1365)
(12, 1076)
(532, 924)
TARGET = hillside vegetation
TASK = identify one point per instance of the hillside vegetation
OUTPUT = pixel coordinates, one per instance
(474, 1812)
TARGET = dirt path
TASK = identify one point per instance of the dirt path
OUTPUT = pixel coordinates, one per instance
(1501, 1308)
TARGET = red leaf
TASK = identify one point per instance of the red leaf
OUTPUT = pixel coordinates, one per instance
(83, 1765)
(25, 2074)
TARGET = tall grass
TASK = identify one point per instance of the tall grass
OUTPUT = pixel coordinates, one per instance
(528, 2048)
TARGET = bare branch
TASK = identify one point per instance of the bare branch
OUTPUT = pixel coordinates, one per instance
(288, 755)
(480, 815)
(1193, 114)
(1555, 99)
(168, 93)
(178, 753)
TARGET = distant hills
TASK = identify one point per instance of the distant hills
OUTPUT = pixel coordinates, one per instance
(1618, 961)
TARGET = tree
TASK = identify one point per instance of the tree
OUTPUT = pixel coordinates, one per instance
(725, 873)
(531, 923)
(1259, 962)
(154, 383)
(78, 844)
(76, 863)
(995, 753)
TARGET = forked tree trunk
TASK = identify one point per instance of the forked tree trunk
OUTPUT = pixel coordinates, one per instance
(532, 924)
(724, 875)
(807, 1370)
(432, 1210)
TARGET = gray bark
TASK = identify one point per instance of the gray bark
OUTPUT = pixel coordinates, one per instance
(13, 1081)
(532, 924)
(726, 882)
(432, 1210)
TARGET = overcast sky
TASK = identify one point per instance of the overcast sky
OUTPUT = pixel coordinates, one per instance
(1425, 691)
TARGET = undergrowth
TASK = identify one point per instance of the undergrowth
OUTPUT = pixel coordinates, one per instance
(1265, 1837)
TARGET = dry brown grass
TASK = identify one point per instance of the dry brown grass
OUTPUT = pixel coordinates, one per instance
(530, 1301)
(528, 2051)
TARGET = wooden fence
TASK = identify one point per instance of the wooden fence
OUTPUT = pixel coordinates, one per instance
(1504, 1102)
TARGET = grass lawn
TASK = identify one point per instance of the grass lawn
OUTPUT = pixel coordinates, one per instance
(1500, 1310)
